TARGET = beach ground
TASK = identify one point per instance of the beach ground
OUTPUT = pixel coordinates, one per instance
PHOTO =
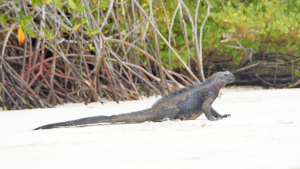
(262, 132)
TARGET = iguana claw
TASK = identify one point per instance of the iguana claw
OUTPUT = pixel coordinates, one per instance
(226, 115)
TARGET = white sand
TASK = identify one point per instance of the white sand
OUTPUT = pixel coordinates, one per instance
(263, 132)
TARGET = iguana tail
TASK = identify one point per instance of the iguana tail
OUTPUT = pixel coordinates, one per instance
(135, 117)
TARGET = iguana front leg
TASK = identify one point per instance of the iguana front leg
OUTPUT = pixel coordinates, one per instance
(207, 109)
(217, 115)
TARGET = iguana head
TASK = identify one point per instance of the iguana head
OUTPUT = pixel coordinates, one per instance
(225, 76)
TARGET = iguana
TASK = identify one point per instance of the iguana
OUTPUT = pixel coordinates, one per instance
(185, 104)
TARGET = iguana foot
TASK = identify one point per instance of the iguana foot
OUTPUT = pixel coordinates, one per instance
(226, 115)
(212, 118)
(167, 119)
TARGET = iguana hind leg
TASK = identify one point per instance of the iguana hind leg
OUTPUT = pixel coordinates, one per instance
(170, 114)
(217, 115)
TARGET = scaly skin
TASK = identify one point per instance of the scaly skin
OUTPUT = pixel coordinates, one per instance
(186, 104)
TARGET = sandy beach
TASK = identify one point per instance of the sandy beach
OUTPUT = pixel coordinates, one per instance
(262, 132)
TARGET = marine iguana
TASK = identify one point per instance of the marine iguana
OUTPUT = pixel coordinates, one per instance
(186, 104)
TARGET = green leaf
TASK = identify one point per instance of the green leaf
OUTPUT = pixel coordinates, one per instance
(49, 37)
(72, 4)
(58, 4)
(88, 28)
(28, 30)
(48, 33)
(76, 27)
(52, 44)
(93, 31)
(72, 20)
(2, 19)
(297, 72)
(51, 31)
(84, 20)
(76, 2)
(104, 5)
(39, 2)
(22, 17)
(44, 30)
(48, 1)
(33, 3)
(27, 19)
(16, 20)
(80, 9)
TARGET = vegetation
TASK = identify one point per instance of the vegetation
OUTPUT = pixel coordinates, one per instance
(257, 40)
(56, 51)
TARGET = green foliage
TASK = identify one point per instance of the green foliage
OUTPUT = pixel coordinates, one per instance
(72, 4)
(297, 73)
(80, 9)
(48, 33)
(2, 19)
(76, 27)
(28, 30)
(38, 2)
(262, 25)
(272, 25)
(58, 4)
(105, 4)
(93, 31)
(22, 21)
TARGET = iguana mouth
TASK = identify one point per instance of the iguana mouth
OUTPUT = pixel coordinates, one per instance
(231, 79)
